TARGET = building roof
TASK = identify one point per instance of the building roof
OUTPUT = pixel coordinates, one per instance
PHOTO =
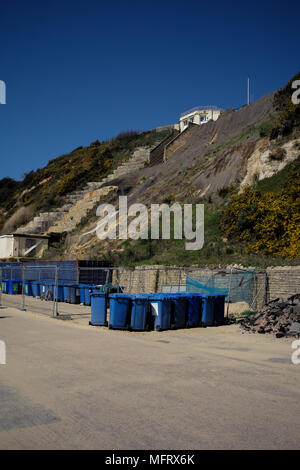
(27, 235)
(202, 108)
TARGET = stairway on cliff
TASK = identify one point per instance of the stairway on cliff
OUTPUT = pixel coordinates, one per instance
(79, 203)
(137, 161)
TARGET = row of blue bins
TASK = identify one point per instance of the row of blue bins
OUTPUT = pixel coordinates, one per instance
(11, 286)
(157, 311)
(66, 292)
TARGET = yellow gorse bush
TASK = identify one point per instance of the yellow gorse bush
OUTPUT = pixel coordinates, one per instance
(269, 223)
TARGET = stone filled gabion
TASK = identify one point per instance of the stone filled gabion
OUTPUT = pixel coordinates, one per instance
(279, 317)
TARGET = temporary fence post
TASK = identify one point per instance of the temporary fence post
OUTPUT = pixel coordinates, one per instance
(130, 281)
(229, 292)
(255, 298)
(23, 289)
(0, 287)
(118, 279)
(266, 288)
(179, 278)
(139, 282)
(55, 294)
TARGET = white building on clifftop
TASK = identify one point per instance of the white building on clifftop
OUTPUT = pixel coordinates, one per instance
(199, 115)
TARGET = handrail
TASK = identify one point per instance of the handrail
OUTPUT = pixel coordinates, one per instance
(202, 108)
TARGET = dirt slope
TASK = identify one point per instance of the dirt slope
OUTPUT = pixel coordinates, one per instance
(200, 169)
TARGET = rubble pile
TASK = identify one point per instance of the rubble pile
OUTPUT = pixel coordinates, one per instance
(279, 317)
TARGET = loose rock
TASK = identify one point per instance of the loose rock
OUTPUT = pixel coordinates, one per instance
(279, 317)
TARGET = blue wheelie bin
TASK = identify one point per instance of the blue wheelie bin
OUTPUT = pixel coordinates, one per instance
(67, 292)
(88, 291)
(4, 286)
(219, 308)
(179, 310)
(98, 309)
(119, 314)
(74, 294)
(49, 290)
(59, 292)
(207, 309)
(82, 288)
(95, 290)
(14, 286)
(43, 289)
(28, 288)
(87, 295)
(194, 313)
(140, 313)
(160, 308)
(35, 285)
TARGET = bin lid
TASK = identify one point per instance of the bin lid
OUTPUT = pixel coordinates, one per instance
(140, 296)
(159, 296)
(120, 295)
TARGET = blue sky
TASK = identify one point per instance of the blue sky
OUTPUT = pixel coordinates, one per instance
(77, 71)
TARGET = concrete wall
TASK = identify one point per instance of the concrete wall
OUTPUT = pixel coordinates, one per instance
(267, 284)
(283, 282)
(6, 246)
(178, 141)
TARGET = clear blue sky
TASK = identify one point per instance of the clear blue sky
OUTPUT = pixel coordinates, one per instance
(82, 70)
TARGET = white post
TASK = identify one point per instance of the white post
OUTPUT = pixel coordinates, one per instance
(248, 91)
(23, 289)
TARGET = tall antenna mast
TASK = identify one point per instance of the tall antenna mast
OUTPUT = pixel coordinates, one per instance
(248, 91)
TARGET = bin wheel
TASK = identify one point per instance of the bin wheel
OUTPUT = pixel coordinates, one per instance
(157, 328)
(129, 328)
(109, 327)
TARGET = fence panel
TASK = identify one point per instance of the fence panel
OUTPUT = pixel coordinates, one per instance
(254, 288)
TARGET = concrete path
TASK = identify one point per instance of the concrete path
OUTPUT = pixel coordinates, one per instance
(67, 385)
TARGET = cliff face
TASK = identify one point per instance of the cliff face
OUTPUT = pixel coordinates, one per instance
(56, 187)
(244, 147)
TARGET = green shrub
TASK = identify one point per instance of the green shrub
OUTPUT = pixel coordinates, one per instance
(264, 129)
(278, 155)
(223, 192)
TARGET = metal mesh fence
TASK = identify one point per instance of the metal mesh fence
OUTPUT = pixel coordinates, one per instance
(254, 288)
(236, 286)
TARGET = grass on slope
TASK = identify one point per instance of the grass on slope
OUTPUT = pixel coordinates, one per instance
(281, 179)
(217, 250)
(46, 187)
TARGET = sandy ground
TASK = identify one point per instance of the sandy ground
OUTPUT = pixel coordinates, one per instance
(68, 385)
